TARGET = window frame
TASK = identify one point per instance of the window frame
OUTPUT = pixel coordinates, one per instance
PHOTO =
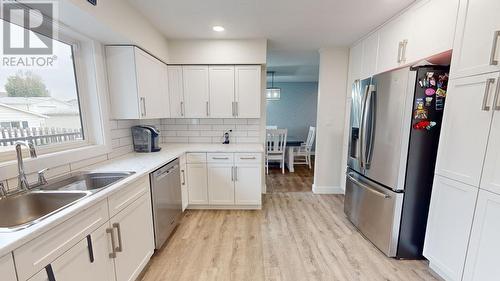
(92, 91)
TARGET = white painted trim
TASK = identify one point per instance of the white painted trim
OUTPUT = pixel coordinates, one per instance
(224, 207)
(327, 189)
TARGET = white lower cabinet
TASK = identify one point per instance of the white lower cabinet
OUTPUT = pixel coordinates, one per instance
(197, 183)
(184, 184)
(220, 184)
(7, 269)
(87, 260)
(132, 231)
(448, 227)
(484, 246)
(247, 185)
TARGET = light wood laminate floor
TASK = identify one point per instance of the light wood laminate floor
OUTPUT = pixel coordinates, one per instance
(296, 236)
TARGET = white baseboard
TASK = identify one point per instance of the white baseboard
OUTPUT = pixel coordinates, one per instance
(327, 189)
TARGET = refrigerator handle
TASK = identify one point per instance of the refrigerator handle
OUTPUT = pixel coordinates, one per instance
(369, 122)
(362, 127)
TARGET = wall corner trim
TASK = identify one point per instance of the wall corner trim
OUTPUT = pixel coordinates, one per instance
(327, 189)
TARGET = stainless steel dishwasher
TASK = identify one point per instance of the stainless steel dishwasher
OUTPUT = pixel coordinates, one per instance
(166, 200)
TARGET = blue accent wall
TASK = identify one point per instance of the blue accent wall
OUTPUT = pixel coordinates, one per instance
(296, 110)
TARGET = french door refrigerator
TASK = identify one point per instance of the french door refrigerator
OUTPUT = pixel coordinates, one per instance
(394, 135)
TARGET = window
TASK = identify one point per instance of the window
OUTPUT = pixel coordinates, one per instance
(40, 103)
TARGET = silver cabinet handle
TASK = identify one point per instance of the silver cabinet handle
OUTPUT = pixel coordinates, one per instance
(119, 248)
(403, 52)
(376, 192)
(400, 49)
(113, 243)
(234, 112)
(143, 104)
(493, 60)
(183, 173)
(496, 103)
(235, 173)
(247, 158)
(236, 109)
(485, 106)
(208, 108)
(182, 108)
(220, 158)
(232, 173)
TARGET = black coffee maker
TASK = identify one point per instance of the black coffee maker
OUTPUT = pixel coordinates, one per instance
(146, 138)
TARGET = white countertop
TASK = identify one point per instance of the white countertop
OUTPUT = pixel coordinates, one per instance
(140, 163)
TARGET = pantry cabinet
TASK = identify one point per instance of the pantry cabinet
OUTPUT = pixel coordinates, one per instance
(491, 171)
(477, 42)
(196, 91)
(484, 246)
(222, 102)
(432, 28)
(394, 38)
(132, 231)
(138, 84)
(176, 91)
(465, 130)
(7, 269)
(448, 226)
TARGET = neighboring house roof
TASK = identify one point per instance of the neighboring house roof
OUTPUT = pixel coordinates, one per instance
(42, 105)
(24, 111)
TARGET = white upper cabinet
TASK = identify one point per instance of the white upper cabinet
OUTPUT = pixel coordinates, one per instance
(394, 38)
(138, 84)
(196, 91)
(369, 59)
(222, 103)
(433, 28)
(477, 42)
(248, 91)
(176, 91)
(465, 130)
(7, 270)
(448, 227)
(484, 246)
(355, 58)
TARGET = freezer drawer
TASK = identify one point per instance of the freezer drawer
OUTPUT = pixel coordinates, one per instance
(374, 210)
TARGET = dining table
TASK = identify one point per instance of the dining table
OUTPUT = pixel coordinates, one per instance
(292, 143)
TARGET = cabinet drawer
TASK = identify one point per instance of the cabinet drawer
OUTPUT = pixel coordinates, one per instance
(194, 158)
(220, 157)
(127, 195)
(38, 253)
(242, 158)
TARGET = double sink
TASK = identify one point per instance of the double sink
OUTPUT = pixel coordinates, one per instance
(27, 208)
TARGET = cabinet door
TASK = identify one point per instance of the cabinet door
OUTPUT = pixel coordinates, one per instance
(220, 184)
(477, 45)
(355, 59)
(390, 53)
(448, 227)
(176, 91)
(221, 91)
(133, 233)
(7, 269)
(152, 86)
(370, 50)
(196, 91)
(184, 186)
(248, 181)
(465, 129)
(76, 263)
(490, 179)
(428, 38)
(484, 245)
(248, 91)
(197, 184)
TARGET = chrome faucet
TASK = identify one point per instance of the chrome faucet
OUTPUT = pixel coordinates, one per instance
(23, 181)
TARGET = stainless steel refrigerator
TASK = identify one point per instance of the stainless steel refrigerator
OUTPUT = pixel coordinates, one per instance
(394, 135)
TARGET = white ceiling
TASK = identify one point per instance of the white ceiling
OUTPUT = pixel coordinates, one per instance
(293, 27)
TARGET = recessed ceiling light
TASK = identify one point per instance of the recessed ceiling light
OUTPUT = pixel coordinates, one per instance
(218, 28)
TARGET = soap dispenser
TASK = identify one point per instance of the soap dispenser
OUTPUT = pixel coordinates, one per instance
(226, 137)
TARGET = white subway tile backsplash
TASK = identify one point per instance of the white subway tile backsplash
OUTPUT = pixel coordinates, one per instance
(253, 121)
(175, 139)
(176, 127)
(211, 121)
(187, 121)
(167, 121)
(200, 127)
(223, 127)
(247, 140)
(188, 133)
(200, 140)
(211, 133)
(235, 121)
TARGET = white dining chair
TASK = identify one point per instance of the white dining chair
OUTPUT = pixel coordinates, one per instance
(276, 147)
(303, 152)
(271, 127)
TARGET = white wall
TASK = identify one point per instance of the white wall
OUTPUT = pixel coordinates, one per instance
(251, 51)
(113, 22)
(333, 68)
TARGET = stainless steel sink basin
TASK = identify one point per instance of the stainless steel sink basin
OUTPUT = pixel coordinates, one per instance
(24, 209)
(85, 181)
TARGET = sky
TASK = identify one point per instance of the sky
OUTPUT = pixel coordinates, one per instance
(60, 80)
